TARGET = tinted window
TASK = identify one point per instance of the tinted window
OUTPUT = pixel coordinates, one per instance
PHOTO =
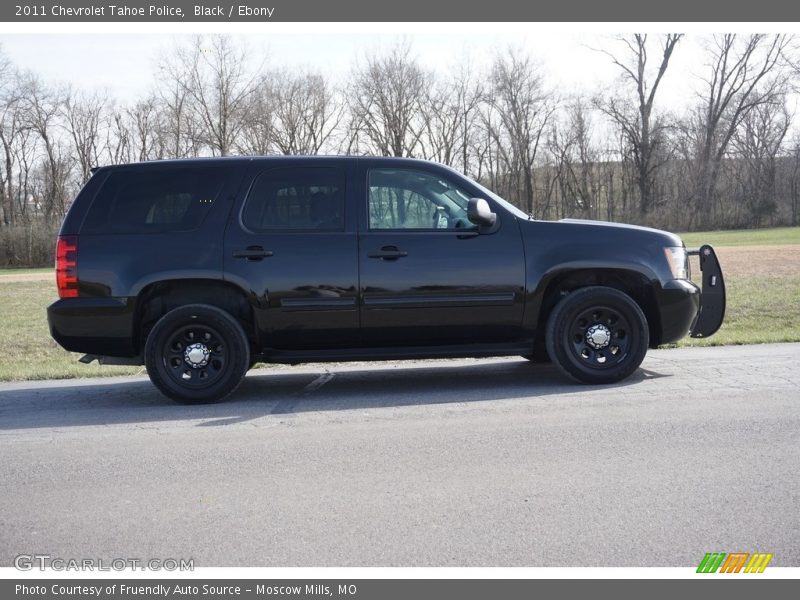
(308, 198)
(155, 200)
(408, 199)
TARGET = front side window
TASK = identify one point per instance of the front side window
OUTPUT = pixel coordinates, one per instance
(155, 200)
(296, 198)
(410, 199)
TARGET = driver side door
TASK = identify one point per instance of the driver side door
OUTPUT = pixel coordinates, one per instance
(427, 276)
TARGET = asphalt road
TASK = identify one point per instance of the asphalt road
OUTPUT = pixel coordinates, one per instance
(460, 463)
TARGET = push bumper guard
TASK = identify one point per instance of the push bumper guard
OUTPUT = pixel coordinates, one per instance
(712, 301)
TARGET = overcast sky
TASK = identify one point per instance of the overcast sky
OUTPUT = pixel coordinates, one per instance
(123, 63)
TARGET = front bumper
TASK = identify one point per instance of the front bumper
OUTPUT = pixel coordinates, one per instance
(687, 309)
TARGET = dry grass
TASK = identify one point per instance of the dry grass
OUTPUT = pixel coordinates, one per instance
(15, 276)
(777, 236)
(29, 351)
(748, 261)
(763, 295)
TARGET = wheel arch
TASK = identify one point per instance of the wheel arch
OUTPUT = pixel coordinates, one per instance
(159, 297)
(635, 282)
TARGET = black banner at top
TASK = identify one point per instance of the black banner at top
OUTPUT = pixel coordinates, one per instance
(407, 10)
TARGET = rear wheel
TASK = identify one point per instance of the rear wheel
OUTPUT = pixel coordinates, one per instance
(197, 353)
(597, 335)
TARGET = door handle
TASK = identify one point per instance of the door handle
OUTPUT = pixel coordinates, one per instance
(252, 253)
(388, 253)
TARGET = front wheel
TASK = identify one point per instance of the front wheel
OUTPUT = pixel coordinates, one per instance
(197, 353)
(597, 335)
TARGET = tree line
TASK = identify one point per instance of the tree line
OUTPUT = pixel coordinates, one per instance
(730, 159)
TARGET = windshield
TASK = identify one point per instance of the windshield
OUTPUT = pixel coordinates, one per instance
(504, 203)
(491, 195)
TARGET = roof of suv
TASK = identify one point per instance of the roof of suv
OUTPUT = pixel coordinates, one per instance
(270, 158)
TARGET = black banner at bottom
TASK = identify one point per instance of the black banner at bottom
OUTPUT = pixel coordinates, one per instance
(392, 589)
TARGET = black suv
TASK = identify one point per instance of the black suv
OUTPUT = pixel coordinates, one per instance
(199, 268)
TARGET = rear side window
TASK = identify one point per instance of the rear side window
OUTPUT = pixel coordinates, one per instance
(155, 200)
(296, 199)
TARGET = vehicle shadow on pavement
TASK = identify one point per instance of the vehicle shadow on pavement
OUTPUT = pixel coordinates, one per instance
(281, 393)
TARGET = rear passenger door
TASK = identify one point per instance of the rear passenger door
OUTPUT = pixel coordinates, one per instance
(291, 242)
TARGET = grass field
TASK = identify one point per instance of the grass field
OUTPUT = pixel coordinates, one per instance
(11, 274)
(761, 268)
(744, 237)
(762, 279)
(30, 352)
(760, 309)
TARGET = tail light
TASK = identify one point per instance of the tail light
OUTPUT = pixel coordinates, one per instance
(67, 266)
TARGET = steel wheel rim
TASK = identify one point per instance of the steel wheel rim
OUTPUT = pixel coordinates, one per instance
(600, 337)
(195, 356)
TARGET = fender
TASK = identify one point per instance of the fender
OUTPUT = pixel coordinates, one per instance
(538, 281)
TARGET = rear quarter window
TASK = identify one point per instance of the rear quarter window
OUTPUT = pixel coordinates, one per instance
(155, 200)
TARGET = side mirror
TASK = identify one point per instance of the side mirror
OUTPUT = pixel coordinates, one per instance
(479, 213)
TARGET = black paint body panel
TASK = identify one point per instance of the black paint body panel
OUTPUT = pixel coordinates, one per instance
(317, 294)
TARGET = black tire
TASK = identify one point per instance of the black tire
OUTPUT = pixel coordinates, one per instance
(221, 354)
(597, 335)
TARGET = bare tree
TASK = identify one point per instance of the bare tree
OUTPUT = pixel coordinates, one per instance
(10, 116)
(43, 106)
(575, 169)
(83, 115)
(306, 111)
(258, 133)
(25, 154)
(517, 110)
(635, 117)
(724, 162)
(177, 127)
(146, 125)
(743, 74)
(386, 96)
(212, 74)
(793, 183)
(450, 112)
(756, 147)
(118, 145)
